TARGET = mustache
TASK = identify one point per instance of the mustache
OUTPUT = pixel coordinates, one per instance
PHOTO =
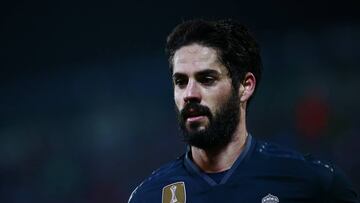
(194, 109)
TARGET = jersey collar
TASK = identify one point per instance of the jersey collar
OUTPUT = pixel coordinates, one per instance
(192, 168)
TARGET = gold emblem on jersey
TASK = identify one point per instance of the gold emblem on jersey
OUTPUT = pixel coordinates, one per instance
(174, 193)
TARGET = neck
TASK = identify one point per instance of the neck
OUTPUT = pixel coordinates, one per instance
(213, 161)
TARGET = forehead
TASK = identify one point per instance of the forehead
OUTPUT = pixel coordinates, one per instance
(195, 58)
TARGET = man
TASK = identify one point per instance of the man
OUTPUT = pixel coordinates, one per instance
(216, 67)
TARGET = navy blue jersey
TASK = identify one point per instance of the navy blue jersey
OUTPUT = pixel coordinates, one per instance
(263, 173)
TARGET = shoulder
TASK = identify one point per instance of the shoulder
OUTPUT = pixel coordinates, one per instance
(157, 179)
(330, 181)
(275, 153)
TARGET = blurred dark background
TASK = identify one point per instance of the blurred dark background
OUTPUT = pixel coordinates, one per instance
(86, 108)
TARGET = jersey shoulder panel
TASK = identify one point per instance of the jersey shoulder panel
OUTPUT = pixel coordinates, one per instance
(329, 181)
(272, 150)
(275, 151)
(292, 163)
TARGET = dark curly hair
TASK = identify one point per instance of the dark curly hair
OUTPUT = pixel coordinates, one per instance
(236, 47)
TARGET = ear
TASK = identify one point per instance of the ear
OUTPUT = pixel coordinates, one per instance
(247, 87)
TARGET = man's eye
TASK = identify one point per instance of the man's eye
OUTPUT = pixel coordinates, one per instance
(180, 82)
(207, 80)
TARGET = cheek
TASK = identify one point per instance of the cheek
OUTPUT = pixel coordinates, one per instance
(216, 101)
(177, 100)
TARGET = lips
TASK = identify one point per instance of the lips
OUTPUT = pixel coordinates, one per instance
(195, 112)
(194, 115)
(195, 118)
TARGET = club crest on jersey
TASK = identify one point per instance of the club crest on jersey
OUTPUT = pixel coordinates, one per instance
(174, 193)
(270, 199)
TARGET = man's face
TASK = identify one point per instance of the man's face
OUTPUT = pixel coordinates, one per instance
(207, 104)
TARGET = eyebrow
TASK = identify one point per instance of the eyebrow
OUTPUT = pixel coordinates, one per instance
(177, 75)
(200, 73)
(207, 72)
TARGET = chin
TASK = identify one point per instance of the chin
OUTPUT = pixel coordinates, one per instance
(197, 130)
(196, 127)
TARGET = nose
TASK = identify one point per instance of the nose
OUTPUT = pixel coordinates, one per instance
(192, 92)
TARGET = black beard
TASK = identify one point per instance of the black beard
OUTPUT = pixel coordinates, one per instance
(221, 127)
